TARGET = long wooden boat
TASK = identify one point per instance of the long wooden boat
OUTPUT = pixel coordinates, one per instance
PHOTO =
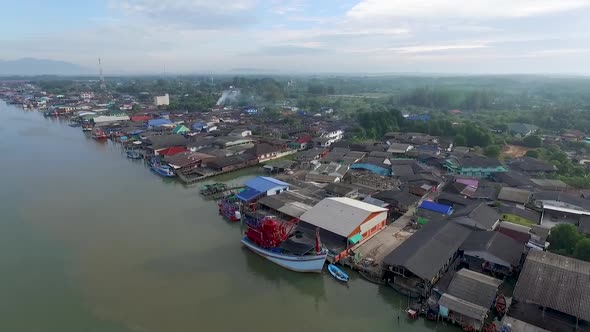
(276, 241)
(299, 263)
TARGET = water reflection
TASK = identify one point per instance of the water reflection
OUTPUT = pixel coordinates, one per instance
(309, 284)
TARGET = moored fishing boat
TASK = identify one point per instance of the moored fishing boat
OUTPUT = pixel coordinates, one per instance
(133, 154)
(274, 241)
(161, 169)
(229, 208)
(99, 134)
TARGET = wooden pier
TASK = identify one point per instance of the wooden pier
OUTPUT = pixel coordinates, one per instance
(369, 254)
(219, 190)
(196, 177)
(201, 175)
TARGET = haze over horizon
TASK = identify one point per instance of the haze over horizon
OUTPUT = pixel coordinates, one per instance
(304, 36)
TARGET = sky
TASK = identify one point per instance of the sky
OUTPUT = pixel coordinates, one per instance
(302, 36)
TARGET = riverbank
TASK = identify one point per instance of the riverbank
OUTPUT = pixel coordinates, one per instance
(136, 252)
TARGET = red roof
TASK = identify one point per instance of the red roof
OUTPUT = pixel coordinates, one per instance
(141, 118)
(172, 151)
(304, 139)
(455, 111)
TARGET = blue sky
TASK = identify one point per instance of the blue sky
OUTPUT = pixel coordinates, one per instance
(306, 36)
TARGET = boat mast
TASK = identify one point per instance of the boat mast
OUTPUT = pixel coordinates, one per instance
(318, 248)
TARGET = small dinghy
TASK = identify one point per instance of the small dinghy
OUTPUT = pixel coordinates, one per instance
(134, 154)
(337, 273)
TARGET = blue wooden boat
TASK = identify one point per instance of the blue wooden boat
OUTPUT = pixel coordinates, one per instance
(133, 154)
(160, 169)
(337, 273)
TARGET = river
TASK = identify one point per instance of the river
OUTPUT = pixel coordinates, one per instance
(92, 241)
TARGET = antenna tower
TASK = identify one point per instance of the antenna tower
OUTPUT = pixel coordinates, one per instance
(103, 86)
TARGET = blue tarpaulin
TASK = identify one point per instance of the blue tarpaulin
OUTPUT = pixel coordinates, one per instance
(249, 194)
(373, 168)
(440, 208)
(199, 126)
(158, 122)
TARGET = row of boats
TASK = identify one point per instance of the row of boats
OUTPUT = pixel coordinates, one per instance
(154, 163)
(279, 242)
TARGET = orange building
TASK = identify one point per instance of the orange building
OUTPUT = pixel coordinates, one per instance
(344, 222)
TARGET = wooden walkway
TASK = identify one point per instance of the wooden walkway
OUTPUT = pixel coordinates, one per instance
(193, 178)
(230, 190)
(369, 254)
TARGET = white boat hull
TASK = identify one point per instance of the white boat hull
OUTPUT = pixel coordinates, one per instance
(306, 263)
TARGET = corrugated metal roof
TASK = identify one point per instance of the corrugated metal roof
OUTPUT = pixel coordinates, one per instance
(557, 282)
(249, 194)
(429, 249)
(474, 287)
(294, 209)
(514, 195)
(462, 307)
(339, 215)
(264, 183)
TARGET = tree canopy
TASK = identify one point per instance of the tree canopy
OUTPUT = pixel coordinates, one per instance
(563, 239)
(582, 250)
(532, 141)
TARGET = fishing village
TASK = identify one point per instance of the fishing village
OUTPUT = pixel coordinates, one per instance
(463, 236)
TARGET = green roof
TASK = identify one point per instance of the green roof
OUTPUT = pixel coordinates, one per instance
(180, 129)
(355, 238)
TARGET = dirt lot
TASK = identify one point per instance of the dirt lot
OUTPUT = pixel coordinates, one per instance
(514, 151)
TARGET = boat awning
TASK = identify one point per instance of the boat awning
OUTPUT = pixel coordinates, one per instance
(296, 248)
(249, 194)
(355, 238)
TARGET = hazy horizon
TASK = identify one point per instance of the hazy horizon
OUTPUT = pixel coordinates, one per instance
(134, 37)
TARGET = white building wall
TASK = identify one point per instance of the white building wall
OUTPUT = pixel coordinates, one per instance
(162, 100)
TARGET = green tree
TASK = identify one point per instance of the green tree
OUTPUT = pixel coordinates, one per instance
(460, 140)
(582, 250)
(532, 154)
(532, 141)
(563, 239)
(492, 151)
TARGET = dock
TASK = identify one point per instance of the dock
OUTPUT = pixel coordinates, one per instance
(204, 173)
(369, 255)
(219, 190)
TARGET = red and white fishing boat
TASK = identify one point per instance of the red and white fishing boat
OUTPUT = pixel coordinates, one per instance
(99, 134)
(275, 241)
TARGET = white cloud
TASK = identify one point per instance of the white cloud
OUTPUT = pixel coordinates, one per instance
(282, 7)
(435, 48)
(159, 6)
(292, 35)
(469, 9)
(558, 52)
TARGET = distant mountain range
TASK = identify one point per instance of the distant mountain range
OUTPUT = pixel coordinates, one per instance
(32, 67)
